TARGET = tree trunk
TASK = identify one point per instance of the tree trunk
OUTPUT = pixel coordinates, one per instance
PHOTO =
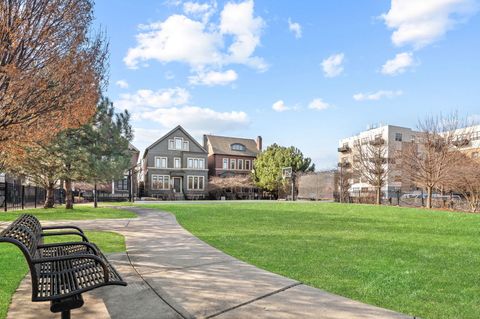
(50, 200)
(379, 194)
(68, 194)
(95, 203)
(429, 197)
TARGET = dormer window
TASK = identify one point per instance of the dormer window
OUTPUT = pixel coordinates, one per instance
(238, 147)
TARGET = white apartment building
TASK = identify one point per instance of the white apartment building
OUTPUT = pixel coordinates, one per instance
(395, 137)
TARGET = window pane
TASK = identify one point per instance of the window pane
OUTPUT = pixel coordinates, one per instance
(171, 144)
(178, 143)
(201, 163)
(185, 146)
(195, 182)
(200, 182)
(195, 163)
(190, 182)
(225, 163)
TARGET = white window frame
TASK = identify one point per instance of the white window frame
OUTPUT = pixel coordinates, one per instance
(249, 165)
(233, 164)
(186, 145)
(195, 163)
(165, 181)
(195, 181)
(160, 158)
(175, 159)
(171, 144)
(180, 140)
(225, 164)
(240, 164)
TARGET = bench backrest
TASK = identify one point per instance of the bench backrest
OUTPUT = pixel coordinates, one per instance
(24, 232)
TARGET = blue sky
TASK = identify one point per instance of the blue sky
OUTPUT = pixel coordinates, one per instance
(303, 73)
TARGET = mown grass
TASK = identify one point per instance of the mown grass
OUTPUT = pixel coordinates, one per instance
(13, 266)
(419, 262)
(77, 213)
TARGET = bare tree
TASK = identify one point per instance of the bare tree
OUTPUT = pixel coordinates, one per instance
(343, 181)
(50, 69)
(429, 160)
(465, 179)
(371, 164)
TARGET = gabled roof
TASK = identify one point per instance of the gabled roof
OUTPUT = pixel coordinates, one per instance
(133, 148)
(178, 127)
(223, 145)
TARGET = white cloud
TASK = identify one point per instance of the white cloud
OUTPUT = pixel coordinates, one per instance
(200, 44)
(169, 107)
(198, 118)
(318, 104)
(398, 64)
(422, 22)
(122, 84)
(143, 99)
(332, 66)
(296, 28)
(376, 95)
(213, 78)
(280, 106)
(203, 10)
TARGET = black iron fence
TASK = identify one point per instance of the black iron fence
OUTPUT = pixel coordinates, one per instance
(407, 199)
(14, 196)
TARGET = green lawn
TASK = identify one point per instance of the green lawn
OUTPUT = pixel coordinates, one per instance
(423, 263)
(79, 212)
(13, 266)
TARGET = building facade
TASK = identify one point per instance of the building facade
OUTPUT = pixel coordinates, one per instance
(396, 138)
(129, 179)
(230, 156)
(175, 167)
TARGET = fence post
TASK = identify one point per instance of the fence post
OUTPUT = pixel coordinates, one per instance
(6, 194)
(23, 196)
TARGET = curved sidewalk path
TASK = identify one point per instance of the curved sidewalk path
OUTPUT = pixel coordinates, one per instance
(173, 274)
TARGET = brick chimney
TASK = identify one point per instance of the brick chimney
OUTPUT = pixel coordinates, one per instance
(259, 143)
(205, 141)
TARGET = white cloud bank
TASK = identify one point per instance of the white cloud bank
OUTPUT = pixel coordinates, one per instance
(332, 66)
(213, 78)
(296, 28)
(171, 107)
(422, 22)
(377, 95)
(318, 104)
(398, 64)
(195, 40)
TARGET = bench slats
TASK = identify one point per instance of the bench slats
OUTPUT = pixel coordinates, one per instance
(59, 271)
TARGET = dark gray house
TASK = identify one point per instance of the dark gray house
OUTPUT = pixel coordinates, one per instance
(175, 167)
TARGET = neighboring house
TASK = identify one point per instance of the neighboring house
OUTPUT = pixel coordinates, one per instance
(174, 167)
(121, 186)
(229, 156)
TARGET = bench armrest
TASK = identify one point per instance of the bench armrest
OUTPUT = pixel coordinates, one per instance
(84, 238)
(75, 243)
(63, 227)
(97, 259)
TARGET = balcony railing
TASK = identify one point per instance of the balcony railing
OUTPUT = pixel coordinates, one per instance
(344, 149)
(344, 165)
(377, 142)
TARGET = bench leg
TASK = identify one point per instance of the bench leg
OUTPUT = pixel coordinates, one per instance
(66, 314)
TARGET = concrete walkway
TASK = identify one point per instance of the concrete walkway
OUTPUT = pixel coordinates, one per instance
(172, 274)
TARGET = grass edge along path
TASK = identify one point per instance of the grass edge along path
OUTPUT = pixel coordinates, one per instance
(418, 262)
(13, 266)
(79, 212)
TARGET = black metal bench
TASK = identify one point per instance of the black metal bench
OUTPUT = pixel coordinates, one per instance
(60, 272)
